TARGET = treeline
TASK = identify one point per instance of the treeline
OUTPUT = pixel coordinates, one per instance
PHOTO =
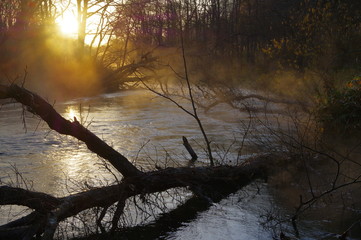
(31, 45)
(320, 35)
(222, 27)
(248, 27)
(23, 25)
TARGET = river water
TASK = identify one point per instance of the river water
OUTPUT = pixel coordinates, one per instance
(148, 130)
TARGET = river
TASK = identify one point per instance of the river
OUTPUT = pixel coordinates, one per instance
(148, 130)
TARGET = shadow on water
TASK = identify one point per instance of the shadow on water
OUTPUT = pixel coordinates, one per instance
(225, 218)
(128, 119)
(165, 223)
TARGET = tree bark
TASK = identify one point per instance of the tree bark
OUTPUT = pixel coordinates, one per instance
(82, 6)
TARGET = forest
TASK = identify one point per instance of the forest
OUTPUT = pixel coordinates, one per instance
(283, 77)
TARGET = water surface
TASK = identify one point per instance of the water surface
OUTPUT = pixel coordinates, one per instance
(148, 130)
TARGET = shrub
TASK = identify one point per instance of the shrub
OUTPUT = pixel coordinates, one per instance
(341, 109)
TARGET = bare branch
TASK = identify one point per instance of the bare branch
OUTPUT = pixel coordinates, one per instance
(43, 109)
(16, 196)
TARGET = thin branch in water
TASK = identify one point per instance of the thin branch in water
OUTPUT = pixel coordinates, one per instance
(195, 114)
(239, 154)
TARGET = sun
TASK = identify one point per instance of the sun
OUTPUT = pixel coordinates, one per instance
(68, 24)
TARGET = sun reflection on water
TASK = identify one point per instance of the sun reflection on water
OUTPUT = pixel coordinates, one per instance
(71, 113)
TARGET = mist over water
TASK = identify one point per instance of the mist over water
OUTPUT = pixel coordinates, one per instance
(148, 130)
(139, 125)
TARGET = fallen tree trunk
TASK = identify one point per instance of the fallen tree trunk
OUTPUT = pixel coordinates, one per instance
(209, 183)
